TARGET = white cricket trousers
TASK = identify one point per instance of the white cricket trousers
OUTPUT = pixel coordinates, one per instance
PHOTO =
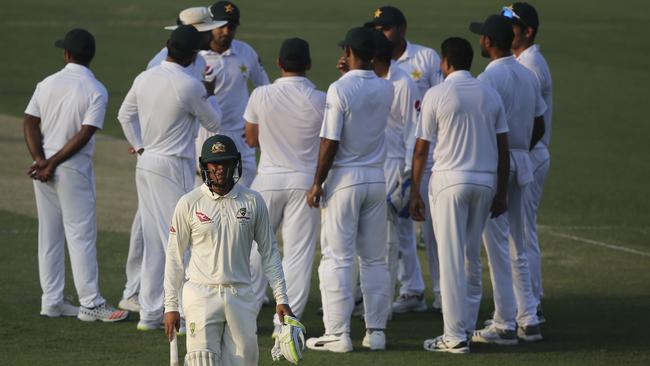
(249, 165)
(288, 210)
(66, 213)
(353, 224)
(505, 246)
(459, 214)
(221, 325)
(161, 181)
(134, 258)
(429, 237)
(541, 161)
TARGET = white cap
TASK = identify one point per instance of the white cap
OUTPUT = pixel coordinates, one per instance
(199, 17)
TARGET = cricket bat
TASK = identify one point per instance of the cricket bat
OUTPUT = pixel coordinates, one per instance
(173, 351)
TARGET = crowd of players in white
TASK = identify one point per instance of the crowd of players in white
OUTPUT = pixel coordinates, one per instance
(471, 153)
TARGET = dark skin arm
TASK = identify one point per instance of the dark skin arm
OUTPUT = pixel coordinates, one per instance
(326, 155)
(538, 131)
(252, 134)
(499, 203)
(420, 152)
(43, 169)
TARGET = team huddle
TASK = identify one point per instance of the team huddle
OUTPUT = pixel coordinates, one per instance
(403, 136)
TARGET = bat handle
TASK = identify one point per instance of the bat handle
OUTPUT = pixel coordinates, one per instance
(173, 351)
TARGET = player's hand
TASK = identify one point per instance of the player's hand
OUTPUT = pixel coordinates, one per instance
(314, 195)
(209, 85)
(45, 170)
(499, 205)
(132, 150)
(282, 310)
(172, 323)
(33, 170)
(342, 65)
(417, 207)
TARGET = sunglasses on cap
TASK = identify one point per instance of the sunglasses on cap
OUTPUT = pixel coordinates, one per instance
(509, 12)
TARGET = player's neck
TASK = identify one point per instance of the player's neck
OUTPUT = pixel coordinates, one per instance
(496, 53)
(518, 51)
(399, 50)
(222, 190)
(381, 69)
(287, 74)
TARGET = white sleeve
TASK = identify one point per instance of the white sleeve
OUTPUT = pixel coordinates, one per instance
(268, 249)
(501, 125)
(410, 106)
(334, 115)
(96, 111)
(427, 125)
(205, 107)
(540, 105)
(128, 117)
(180, 234)
(251, 114)
(33, 108)
(435, 76)
(258, 75)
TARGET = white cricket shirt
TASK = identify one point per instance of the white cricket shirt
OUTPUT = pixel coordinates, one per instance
(220, 231)
(356, 115)
(233, 69)
(196, 68)
(464, 116)
(65, 101)
(160, 111)
(400, 128)
(532, 58)
(289, 114)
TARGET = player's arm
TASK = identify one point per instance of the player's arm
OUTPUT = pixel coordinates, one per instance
(129, 120)
(420, 155)
(76, 143)
(252, 118)
(205, 107)
(180, 234)
(271, 259)
(252, 134)
(499, 203)
(34, 141)
(539, 129)
(258, 74)
(328, 149)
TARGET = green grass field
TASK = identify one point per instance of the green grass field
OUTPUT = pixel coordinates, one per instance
(597, 296)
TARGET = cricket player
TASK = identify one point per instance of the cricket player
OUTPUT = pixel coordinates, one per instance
(422, 64)
(466, 120)
(514, 303)
(160, 113)
(65, 111)
(349, 185)
(285, 118)
(235, 63)
(219, 221)
(525, 24)
(199, 18)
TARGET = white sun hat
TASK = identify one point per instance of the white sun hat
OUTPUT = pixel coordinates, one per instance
(199, 17)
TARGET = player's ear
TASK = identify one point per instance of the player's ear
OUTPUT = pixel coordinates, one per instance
(529, 33)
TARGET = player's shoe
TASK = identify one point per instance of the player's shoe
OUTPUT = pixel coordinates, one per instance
(540, 315)
(488, 323)
(147, 325)
(439, 344)
(104, 312)
(64, 309)
(182, 330)
(437, 303)
(375, 340)
(530, 333)
(130, 304)
(494, 335)
(406, 303)
(331, 342)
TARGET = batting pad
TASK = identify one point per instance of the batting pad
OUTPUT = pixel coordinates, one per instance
(201, 358)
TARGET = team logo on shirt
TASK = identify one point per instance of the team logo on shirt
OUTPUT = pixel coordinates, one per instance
(172, 230)
(192, 328)
(416, 74)
(218, 147)
(417, 106)
(243, 68)
(243, 215)
(203, 217)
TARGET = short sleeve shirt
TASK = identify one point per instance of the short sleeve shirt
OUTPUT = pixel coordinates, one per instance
(532, 58)
(196, 68)
(64, 102)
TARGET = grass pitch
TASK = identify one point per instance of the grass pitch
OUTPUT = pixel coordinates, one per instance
(597, 296)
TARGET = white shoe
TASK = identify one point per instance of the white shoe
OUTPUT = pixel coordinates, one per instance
(488, 323)
(332, 343)
(439, 344)
(530, 333)
(130, 304)
(375, 340)
(493, 335)
(64, 309)
(407, 302)
(147, 325)
(437, 303)
(182, 330)
(104, 312)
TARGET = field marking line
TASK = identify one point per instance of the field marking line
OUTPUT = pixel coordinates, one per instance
(595, 242)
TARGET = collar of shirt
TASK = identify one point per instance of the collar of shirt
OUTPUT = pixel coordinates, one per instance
(294, 79)
(230, 51)
(459, 75)
(234, 192)
(366, 74)
(78, 69)
(408, 52)
(501, 60)
(532, 49)
(172, 65)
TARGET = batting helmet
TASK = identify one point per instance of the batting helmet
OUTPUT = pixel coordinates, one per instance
(216, 149)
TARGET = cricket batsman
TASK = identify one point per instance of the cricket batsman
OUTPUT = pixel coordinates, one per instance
(219, 220)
